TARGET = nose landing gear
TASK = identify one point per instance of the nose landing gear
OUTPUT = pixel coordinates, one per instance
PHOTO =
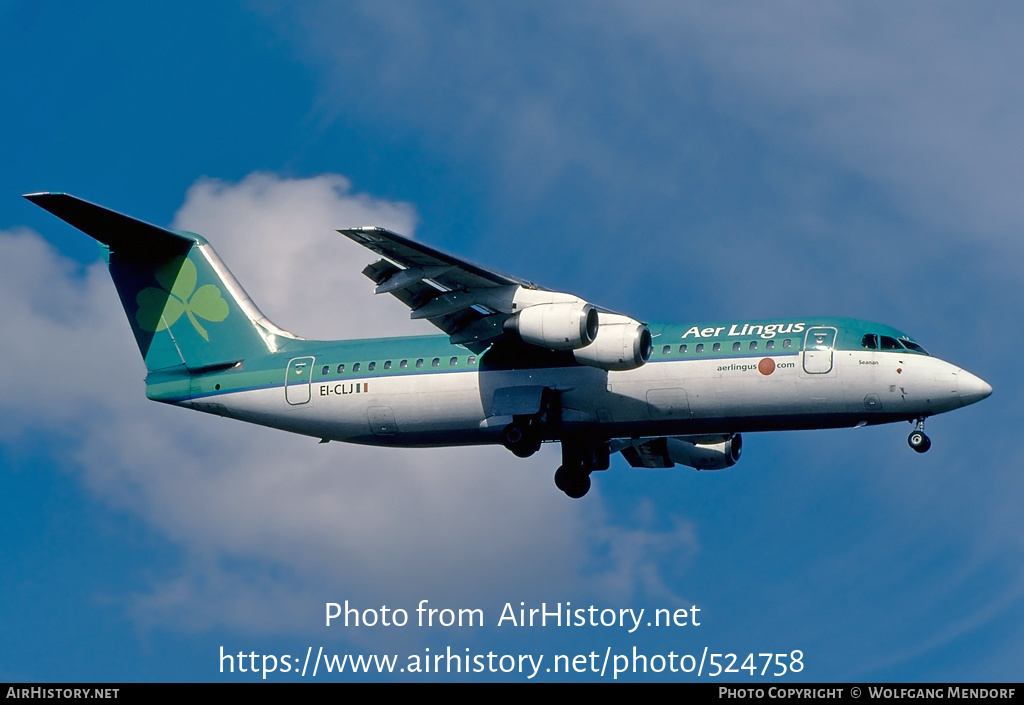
(917, 439)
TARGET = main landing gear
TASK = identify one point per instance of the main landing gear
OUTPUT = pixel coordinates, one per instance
(527, 431)
(579, 459)
(917, 440)
(522, 437)
(582, 453)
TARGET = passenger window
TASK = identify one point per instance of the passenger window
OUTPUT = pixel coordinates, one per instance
(403, 364)
(716, 347)
(453, 362)
(753, 345)
(682, 349)
(372, 366)
(355, 367)
(419, 363)
(869, 341)
(387, 364)
(471, 360)
(341, 368)
(325, 370)
(770, 345)
(435, 362)
(700, 347)
(667, 350)
(787, 343)
(736, 346)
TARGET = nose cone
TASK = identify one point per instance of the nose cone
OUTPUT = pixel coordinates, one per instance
(971, 388)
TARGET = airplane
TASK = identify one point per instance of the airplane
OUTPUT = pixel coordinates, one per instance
(518, 365)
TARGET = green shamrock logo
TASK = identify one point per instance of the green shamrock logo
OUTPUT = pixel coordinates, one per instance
(158, 310)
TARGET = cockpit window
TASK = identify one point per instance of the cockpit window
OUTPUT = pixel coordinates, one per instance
(911, 345)
(871, 342)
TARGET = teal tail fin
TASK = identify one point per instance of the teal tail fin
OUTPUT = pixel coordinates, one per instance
(184, 306)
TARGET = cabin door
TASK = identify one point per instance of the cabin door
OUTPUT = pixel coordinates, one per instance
(297, 380)
(818, 346)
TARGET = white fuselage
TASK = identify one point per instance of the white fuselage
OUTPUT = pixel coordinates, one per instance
(663, 398)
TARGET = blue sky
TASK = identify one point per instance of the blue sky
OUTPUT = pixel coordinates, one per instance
(677, 162)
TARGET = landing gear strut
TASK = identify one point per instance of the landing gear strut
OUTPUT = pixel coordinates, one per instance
(579, 459)
(917, 440)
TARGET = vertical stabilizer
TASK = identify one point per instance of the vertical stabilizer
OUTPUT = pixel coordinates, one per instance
(183, 305)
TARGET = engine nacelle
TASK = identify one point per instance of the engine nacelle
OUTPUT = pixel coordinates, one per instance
(717, 456)
(621, 344)
(557, 326)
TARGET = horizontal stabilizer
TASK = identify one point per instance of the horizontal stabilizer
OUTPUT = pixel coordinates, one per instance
(120, 233)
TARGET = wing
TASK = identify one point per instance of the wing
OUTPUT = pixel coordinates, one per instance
(466, 301)
(477, 306)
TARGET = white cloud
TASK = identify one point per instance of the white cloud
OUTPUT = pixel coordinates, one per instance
(280, 239)
(53, 311)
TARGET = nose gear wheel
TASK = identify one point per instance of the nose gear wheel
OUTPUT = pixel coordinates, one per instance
(917, 439)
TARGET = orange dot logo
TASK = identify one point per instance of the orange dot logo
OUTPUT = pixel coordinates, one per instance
(766, 366)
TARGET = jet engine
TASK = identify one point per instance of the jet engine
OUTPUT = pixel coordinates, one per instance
(666, 452)
(622, 344)
(557, 326)
(717, 456)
